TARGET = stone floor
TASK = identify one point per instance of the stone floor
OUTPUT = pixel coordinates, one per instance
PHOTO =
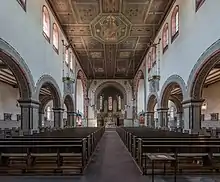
(112, 163)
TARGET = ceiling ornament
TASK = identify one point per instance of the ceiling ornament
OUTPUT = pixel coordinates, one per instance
(110, 28)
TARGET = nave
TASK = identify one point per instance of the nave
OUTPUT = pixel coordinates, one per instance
(112, 162)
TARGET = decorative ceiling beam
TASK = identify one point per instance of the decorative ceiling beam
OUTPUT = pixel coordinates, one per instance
(148, 10)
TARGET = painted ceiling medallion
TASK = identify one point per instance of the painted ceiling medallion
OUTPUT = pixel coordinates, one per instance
(111, 28)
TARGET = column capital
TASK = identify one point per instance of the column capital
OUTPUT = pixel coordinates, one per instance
(149, 112)
(193, 102)
(162, 109)
(29, 103)
(58, 109)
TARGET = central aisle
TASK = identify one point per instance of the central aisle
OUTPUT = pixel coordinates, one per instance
(112, 161)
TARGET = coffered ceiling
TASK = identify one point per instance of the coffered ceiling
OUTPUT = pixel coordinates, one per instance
(110, 37)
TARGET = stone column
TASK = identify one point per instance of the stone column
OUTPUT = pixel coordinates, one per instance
(29, 115)
(70, 118)
(192, 115)
(58, 117)
(163, 117)
(180, 121)
(150, 119)
(41, 118)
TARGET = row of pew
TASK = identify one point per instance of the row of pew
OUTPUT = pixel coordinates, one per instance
(193, 153)
(64, 152)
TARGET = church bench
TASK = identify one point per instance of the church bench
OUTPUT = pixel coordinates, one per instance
(33, 161)
(53, 153)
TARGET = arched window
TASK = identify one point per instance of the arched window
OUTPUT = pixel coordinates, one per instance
(165, 36)
(119, 102)
(71, 61)
(67, 56)
(55, 37)
(101, 102)
(175, 22)
(46, 22)
(49, 113)
(110, 103)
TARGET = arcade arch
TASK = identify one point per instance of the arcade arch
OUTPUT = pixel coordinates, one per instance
(69, 110)
(151, 114)
(48, 93)
(17, 87)
(203, 92)
(172, 94)
(81, 94)
(113, 99)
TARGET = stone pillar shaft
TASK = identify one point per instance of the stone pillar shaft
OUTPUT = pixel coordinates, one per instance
(70, 118)
(41, 118)
(29, 115)
(150, 119)
(58, 117)
(163, 117)
(180, 121)
(192, 115)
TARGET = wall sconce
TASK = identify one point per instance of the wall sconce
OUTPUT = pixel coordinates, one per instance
(204, 106)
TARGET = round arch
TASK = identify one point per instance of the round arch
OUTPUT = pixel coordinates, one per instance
(50, 82)
(19, 68)
(113, 84)
(201, 69)
(152, 100)
(68, 101)
(167, 88)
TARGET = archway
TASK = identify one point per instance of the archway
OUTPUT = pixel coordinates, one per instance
(17, 87)
(111, 101)
(81, 96)
(172, 93)
(47, 91)
(203, 98)
(151, 114)
(140, 89)
(69, 110)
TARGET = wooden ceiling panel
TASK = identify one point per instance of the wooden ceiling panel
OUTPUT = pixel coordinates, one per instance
(110, 37)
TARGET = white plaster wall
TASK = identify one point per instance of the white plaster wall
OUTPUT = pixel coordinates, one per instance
(79, 98)
(23, 30)
(140, 96)
(211, 95)
(91, 95)
(197, 32)
(8, 104)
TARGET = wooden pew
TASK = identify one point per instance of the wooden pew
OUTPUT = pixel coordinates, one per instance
(50, 153)
(187, 149)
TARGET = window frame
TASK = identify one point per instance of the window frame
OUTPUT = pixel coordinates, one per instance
(44, 33)
(175, 34)
(66, 53)
(54, 47)
(165, 32)
(23, 4)
(198, 5)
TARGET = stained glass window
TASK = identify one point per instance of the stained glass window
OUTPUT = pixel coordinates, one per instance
(101, 102)
(165, 36)
(55, 36)
(49, 113)
(46, 22)
(119, 102)
(175, 21)
(110, 103)
(67, 56)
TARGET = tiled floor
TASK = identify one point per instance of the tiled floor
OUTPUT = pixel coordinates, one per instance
(111, 163)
